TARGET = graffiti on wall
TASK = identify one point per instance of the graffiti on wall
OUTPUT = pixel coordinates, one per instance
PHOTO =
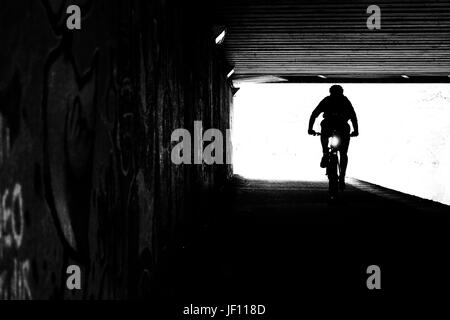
(5, 144)
(10, 95)
(14, 284)
(69, 125)
(105, 194)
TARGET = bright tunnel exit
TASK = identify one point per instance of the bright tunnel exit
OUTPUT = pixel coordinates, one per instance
(404, 141)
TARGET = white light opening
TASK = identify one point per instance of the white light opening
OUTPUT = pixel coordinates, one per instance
(404, 141)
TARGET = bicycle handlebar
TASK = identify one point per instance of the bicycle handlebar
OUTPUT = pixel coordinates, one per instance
(318, 134)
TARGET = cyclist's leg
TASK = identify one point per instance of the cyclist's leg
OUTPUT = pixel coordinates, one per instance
(343, 156)
(324, 141)
(343, 150)
(324, 135)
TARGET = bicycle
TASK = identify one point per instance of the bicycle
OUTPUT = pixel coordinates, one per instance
(333, 169)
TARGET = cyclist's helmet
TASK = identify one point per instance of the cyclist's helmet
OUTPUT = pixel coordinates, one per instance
(336, 90)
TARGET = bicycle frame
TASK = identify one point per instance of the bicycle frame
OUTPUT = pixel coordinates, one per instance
(333, 169)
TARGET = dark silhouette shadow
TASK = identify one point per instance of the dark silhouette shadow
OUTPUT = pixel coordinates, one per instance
(337, 111)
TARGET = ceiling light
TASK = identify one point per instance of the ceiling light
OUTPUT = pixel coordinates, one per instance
(230, 73)
(405, 76)
(322, 76)
(221, 37)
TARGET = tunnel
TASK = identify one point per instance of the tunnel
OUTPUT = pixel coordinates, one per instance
(158, 151)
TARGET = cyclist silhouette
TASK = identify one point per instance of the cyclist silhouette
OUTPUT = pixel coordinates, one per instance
(337, 111)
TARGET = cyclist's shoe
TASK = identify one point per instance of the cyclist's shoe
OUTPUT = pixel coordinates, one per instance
(341, 184)
(324, 161)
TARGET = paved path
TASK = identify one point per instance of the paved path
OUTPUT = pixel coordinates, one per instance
(282, 240)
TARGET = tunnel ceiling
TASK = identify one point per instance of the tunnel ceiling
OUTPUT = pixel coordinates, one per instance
(307, 38)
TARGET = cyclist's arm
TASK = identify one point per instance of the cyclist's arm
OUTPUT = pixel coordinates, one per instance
(353, 118)
(317, 111)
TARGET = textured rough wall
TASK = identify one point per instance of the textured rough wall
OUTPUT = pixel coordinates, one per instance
(86, 118)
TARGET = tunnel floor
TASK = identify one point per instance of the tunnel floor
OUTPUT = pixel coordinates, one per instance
(282, 241)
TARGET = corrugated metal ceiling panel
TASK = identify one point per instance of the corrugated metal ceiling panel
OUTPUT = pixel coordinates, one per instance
(306, 38)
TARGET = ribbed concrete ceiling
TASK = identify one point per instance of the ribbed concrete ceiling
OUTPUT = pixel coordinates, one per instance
(324, 37)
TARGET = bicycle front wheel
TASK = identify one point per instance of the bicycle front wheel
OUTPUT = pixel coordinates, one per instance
(333, 175)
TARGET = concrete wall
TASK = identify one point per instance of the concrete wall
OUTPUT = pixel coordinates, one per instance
(85, 123)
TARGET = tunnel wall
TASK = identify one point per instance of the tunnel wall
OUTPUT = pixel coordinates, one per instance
(85, 125)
